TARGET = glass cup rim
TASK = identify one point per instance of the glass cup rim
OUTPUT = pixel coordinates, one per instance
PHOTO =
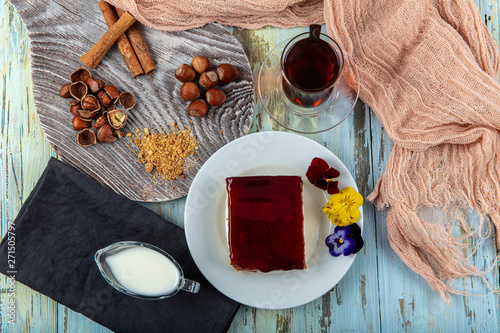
(118, 287)
(292, 41)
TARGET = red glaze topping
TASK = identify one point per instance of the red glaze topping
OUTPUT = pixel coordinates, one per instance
(266, 223)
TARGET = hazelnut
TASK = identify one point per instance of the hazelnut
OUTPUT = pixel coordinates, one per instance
(200, 64)
(185, 73)
(117, 119)
(79, 124)
(105, 134)
(86, 138)
(91, 103)
(81, 74)
(75, 107)
(100, 122)
(112, 92)
(104, 98)
(190, 91)
(197, 108)
(127, 100)
(78, 90)
(209, 79)
(85, 115)
(64, 91)
(100, 83)
(108, 95)
(215, 97)
(118, 133)
(227, 73)
(93, 85)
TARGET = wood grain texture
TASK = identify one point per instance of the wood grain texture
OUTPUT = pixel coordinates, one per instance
(60, 31)
(24, 153)
(378, 294)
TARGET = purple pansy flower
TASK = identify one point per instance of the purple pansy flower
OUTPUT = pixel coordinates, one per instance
(345, 240)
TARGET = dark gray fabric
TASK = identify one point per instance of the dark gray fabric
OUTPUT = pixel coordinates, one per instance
(66, 219)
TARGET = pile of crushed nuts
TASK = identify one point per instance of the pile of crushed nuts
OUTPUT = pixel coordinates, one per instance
(165, 152)
(93, 101)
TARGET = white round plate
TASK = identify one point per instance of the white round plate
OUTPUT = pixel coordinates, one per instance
(264, 153)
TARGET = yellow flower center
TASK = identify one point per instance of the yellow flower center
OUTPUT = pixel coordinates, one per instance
(342, 208)
(340, 240)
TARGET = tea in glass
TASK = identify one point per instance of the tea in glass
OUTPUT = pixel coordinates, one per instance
(311, 64)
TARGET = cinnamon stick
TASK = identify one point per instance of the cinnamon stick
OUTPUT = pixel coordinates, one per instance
(122, 44)
(94, 56)
(140, 47)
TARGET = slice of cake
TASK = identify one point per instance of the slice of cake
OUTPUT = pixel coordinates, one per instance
(266, 223)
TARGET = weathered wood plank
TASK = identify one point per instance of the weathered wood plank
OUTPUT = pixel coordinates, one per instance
(490, 11)
(68, 31)
(70, 321)
(23, 156)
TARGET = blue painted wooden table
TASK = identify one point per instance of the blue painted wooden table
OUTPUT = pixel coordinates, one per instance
(378, 294)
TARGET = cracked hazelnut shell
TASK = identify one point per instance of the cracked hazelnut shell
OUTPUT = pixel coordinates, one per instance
(81, 74)
(85, 115)
(78, 90)
(118, 133)
(86, 138)
(64, 91)
(117, 119)
(100, 83)
(75, 107)
(104, 98)
(127, 100)
(93, 85)
(91, 103)
(105, 134)
(112, 92)
(100, 122)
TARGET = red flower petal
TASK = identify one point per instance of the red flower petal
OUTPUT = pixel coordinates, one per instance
(331, 173)
(321, 183)
(320, 162)
(321, 175)
(333, 187)
(313, 173)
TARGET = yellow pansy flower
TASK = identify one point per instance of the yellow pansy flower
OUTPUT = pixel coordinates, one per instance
(342, 208)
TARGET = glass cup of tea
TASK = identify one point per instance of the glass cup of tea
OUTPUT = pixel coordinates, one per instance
(308, 84)
(311, 65)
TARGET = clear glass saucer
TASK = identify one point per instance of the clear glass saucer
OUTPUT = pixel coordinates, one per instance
(306, 120)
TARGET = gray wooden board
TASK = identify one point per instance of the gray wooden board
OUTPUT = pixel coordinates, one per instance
(61, 31)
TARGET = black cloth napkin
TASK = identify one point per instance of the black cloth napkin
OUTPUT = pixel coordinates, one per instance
(66, 219)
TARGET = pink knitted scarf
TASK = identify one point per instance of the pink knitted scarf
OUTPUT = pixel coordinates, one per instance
(428, 69)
